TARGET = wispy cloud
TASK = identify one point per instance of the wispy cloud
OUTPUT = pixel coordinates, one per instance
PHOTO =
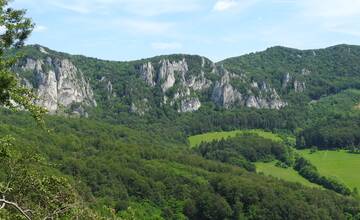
(330, 8)
(340, 16)
(234, 5)
(166, 45)
(146, 26)
(223, 5)
(76, 6)
(137, 7)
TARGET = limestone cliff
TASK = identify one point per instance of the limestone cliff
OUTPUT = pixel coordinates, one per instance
(186, 88)
(175, 76)
(57, 83)
(184, 83)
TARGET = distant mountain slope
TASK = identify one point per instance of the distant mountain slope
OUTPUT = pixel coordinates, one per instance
(183, 83)
(316, 72)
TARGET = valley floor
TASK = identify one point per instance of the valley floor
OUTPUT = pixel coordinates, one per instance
(341, 165)
(288, 174)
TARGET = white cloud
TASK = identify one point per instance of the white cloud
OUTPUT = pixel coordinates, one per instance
(340, 16)
(158, 7)
(138, 7)
(40, 28)
(74, 6)
(223, 5)
(330, 8)
(166, 45)
(145, 26)
(234, 5)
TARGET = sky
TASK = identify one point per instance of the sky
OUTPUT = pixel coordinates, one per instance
(133, 29)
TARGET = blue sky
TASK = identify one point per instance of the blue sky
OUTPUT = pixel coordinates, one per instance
(218, 29)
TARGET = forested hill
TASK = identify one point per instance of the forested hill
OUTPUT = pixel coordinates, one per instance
(127, 155)
(167, 85)
(316, 72)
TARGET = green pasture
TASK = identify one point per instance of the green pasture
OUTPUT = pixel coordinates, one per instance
(341, 165)
(211, 136)
(288, 174)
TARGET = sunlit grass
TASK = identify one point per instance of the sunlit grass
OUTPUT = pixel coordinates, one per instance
(211, 136)
(339, 164)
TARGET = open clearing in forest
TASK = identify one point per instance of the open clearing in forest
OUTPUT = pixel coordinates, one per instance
(211, 136)
(342, 165)
(269, 169)
(288, 174)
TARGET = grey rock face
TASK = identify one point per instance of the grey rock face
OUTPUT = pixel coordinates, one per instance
(147, 72)
(305, 72)
(299, 86)
(189, 105)
(168, 70)
(224, 94)
(252, 102)
(272, 101)
(170, 73)
(199, 83)
(58, 83)
(285, 81)
(140, 107)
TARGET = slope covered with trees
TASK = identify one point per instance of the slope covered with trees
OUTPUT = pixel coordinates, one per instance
(119, 171)
(128, 157)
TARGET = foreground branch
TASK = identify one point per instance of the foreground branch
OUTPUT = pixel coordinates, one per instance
(4, 202)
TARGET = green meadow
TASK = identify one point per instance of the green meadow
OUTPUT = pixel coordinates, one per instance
(208, 137)
(288, 174)
(338, 164)
(269, 169)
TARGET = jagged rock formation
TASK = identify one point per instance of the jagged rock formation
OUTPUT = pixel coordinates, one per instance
(286, 80)
(189, 105)
(299, 86)
(140, 107)
(183, 83)
(57, 83)
(147, 73)
(175, 75)
(224, 94)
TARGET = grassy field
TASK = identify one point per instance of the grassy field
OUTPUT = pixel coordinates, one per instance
(339, 164)
(267, 168)
(208, 137)
(288, 174)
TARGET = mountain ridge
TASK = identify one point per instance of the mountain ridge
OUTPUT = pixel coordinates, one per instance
(185, 83)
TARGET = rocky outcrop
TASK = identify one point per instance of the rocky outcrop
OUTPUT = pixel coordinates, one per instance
(199, 83)
(305, 72)
(224, 94)
(299, 86)
(189, 105)
(140, 107)
(57, 83)
(181, 81)
(268, 98)
(147, 72)
(286, 80)
(170, 73)
(166, 75)
(107, 85)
